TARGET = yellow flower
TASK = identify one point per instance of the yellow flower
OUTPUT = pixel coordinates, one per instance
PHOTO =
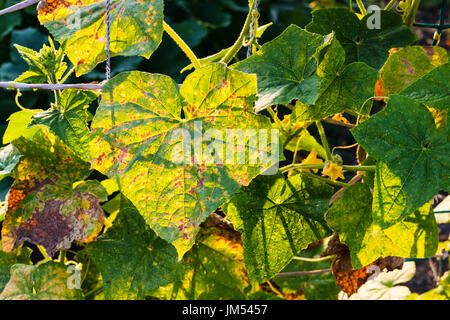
(333, 171)
(312, 159)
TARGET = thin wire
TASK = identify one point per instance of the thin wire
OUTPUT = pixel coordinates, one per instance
(108, 31)
(252, 36)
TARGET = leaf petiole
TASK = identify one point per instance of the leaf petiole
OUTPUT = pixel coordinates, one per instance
(183, 46)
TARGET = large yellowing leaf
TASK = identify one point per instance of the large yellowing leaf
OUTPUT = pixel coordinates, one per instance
(176, 182)
(136, 28)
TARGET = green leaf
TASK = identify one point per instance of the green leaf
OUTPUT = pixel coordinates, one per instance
(136, 29)
(362, 44)
(286, 68)
(9, 158)
(47, 281)
(414, 237)
(213, 269)
(432, 89)
(137, 139)
(412, 154)
(343, 87)
(18, 125)
(69, 119)
(47, 65)
(132, 259)
(278, 218)
(409, 64)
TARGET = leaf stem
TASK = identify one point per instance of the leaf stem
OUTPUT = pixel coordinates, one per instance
(323, 179)
(239, 42)
(323, 138)
(314, 259)
(67, 75)
(183, 46)
(361, 7)
(300, 166)
(390, 5)
(302, 273)
(339, 123)
(43, 252)
(359, 168)
(410, 15)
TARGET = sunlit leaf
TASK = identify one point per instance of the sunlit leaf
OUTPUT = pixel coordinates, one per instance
(136, 28)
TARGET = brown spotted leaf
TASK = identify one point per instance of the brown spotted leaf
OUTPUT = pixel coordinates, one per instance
(136, 28)
(44, 206)
(409, 64)
(160, 161)
(54, 216)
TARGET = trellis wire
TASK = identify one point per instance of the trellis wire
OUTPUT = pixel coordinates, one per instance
(108, 31)
(439, 27)
(250, 47)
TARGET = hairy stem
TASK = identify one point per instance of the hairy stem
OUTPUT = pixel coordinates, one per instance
(239, 42)
(183, 46)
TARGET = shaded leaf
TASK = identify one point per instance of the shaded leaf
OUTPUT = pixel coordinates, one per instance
(362, 44)
(160, 160)
(412, 156)
(213, 268)
(47, 281)
(136, 28)
(132, 259)
(414, 237)
(278, 219)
